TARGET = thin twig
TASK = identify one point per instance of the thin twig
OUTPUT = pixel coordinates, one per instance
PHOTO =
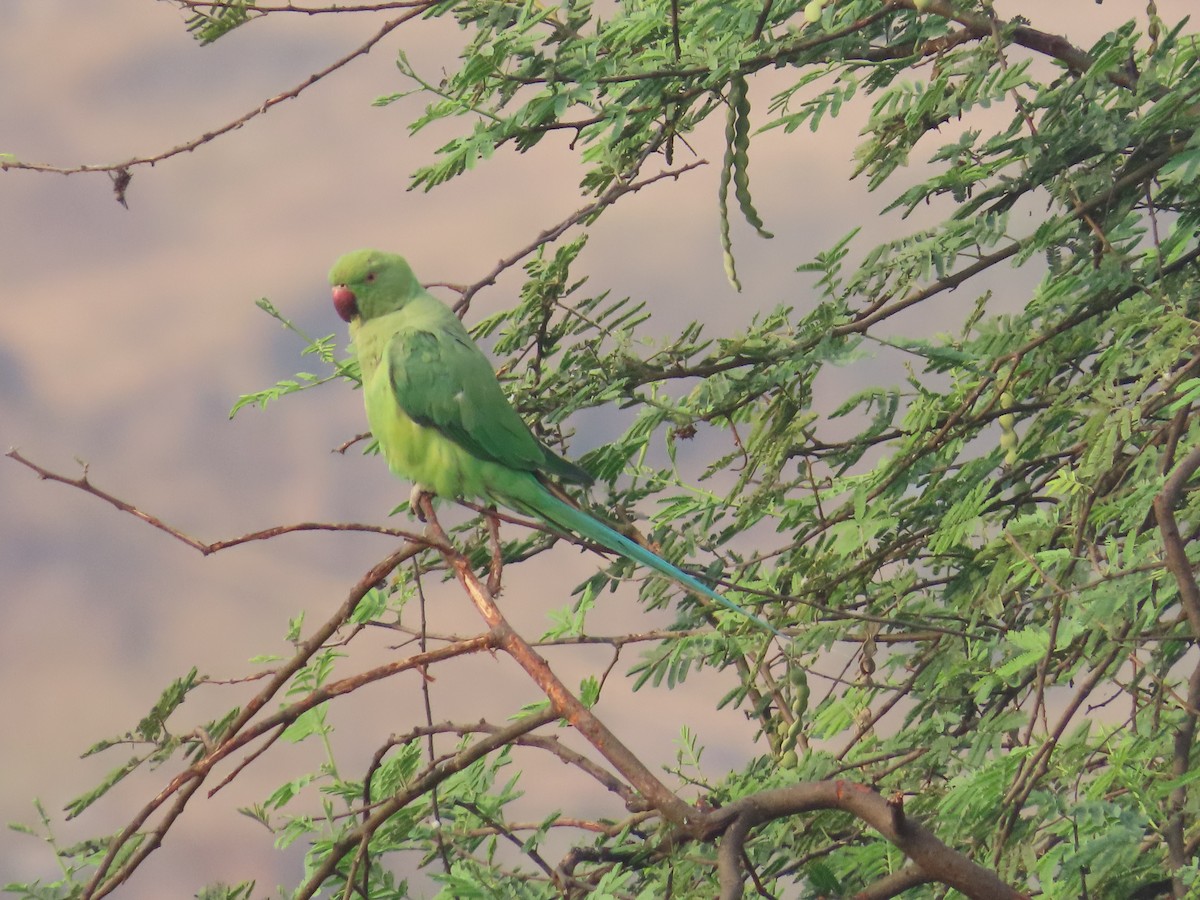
(503, 830)
(205, 547)
(123, 168)
(427, 702)
(264, 9)
(615, 191)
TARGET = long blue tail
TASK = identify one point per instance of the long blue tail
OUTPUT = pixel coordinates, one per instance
(542, 504)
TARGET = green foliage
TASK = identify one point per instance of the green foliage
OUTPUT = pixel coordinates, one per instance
(76, 862)
(150, 732)
(322, 348)
(207, 25)
(990, 618)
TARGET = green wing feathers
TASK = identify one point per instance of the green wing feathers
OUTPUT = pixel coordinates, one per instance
(441, 379)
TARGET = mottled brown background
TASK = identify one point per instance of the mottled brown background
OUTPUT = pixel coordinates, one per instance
(127, 334)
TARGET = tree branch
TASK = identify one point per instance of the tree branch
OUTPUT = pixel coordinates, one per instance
(1177, 559)
(206, 548)
(122, 170)
(617, 190)
(1189, 598)
(567, 705)
(263, 9)
(936, 860)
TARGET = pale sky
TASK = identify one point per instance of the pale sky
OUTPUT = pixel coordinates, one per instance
(129, 333)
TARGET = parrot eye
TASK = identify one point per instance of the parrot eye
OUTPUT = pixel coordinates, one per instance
(370, 277)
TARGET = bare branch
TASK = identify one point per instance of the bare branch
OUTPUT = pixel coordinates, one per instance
(264, 9)
(582, 215)
(122, 169)
(84, 484)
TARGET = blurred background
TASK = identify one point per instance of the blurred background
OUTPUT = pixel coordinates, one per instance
(127, 335)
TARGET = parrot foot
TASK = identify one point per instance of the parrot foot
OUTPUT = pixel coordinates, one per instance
(416, 498)
(497, 566)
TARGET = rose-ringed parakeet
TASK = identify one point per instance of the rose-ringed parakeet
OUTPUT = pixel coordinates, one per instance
(442, 419)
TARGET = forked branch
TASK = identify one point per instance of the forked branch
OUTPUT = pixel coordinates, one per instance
(935, 861)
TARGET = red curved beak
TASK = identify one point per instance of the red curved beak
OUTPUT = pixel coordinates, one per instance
(345, 302)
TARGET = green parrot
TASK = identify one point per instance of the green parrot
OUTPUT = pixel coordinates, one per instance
(441, 417)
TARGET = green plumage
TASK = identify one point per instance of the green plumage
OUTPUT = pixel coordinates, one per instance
(441, 417)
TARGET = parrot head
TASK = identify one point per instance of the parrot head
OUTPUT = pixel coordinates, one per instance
(370, 283)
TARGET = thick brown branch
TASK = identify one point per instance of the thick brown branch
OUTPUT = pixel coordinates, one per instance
(937, 861)
(1177, 559)
(561, 699)
(1052, 45)
(895, 884)
(1181, 568)
(1181, 764)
